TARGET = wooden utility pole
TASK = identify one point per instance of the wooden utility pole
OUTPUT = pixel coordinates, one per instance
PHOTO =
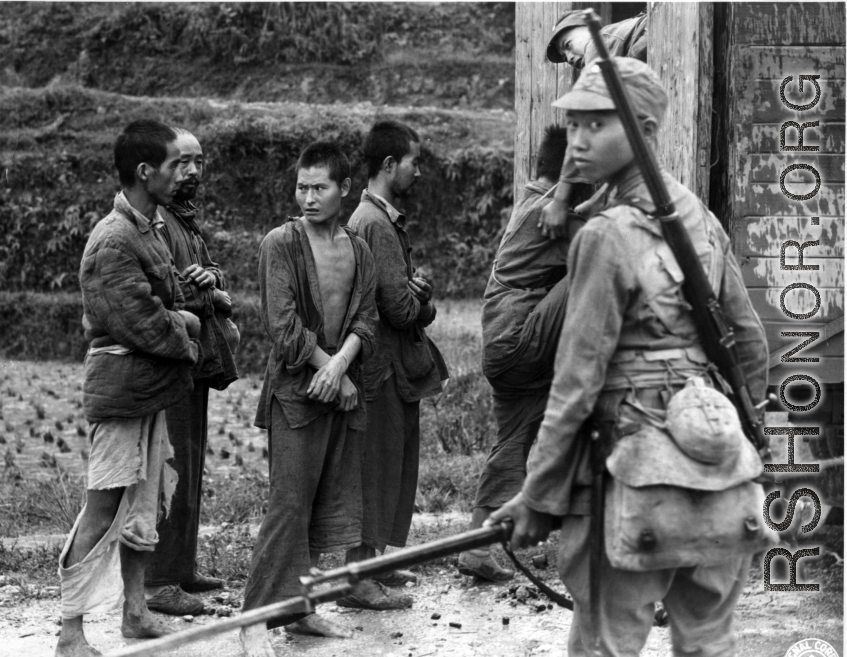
(680, 51)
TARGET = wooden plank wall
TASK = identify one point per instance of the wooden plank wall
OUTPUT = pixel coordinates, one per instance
(538, 82)
(768, 43)
(685, 141)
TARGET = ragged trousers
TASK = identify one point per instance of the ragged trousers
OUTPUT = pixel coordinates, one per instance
(314, 505)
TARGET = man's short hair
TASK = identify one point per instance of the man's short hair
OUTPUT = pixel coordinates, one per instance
(551, 152)
(325, 154)
(145, 140)
(387, 138)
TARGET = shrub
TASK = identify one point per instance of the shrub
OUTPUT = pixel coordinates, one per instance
(397, 53)
(57, 188)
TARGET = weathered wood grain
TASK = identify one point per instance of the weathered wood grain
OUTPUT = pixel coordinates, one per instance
(538, 82)
(789, 23)
(800, 300)
(763, 97)
(779, 344)
(766, 199)
(764, 236)
(774, 62)
(685, 142)
(828, 137)
(766, 272)
(826, 370)
(769, 168)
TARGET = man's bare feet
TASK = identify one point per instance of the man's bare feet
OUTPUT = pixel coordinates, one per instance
(72, 641)
(144, 626)
(255, 641)
(320, 626)
(76, 646)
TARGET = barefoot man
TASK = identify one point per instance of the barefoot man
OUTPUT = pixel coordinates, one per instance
(139, 363)
(317, 292)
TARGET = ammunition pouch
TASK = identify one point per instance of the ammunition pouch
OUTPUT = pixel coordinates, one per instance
(656, 527)
(664, 510)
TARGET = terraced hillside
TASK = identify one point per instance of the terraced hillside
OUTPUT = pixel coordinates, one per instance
(423, 54)
(256, 83)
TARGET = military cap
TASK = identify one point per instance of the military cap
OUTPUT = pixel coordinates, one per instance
(643, 85)
(573, 18)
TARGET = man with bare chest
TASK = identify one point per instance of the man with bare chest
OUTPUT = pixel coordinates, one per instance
(317, 284)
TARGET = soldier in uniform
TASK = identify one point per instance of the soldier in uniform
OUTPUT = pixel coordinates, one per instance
(571, 43)
(628, 345)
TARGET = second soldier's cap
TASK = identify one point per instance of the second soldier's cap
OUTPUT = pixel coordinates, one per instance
(573, 18)
(590, 92)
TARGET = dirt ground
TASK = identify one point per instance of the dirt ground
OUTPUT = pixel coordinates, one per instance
(767, 623)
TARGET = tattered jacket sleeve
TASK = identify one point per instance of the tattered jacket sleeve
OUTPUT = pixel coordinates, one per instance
(365, 319)
(750, 335)
(293, 343)
(595, 311)
(395, 301)
(122, 300)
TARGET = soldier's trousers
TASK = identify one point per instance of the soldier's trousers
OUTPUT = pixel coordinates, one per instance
(700, 601)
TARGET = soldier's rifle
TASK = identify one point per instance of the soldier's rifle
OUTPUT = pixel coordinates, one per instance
(716, 335)
(339, 583)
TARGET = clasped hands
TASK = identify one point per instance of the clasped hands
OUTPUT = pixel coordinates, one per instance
(331, 383)
(421, 289)
(203, 279)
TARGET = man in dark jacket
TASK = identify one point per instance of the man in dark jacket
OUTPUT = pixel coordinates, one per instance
(172, 571)
(139, 363)
(406, 366)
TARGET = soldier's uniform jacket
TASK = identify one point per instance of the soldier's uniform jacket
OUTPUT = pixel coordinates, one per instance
(627, 327)
(626, 38)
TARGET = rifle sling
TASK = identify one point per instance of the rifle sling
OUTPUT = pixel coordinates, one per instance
(555, 596)
(660, 617)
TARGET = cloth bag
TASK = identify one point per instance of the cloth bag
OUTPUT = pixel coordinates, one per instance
(681, 492)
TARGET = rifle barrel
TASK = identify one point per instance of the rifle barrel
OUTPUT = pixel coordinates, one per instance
(716, 335)
(348, 576)
(252, 617)
(416, 554)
